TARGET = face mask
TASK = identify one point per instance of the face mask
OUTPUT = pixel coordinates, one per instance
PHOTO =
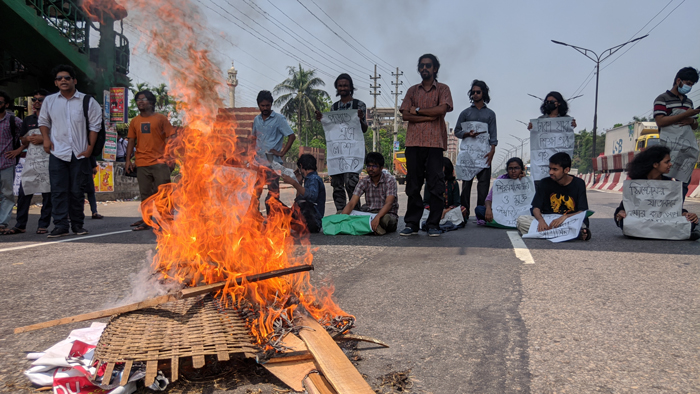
(549, 107)
(684, 89)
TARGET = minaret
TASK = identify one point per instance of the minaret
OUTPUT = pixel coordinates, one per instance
(232, 82)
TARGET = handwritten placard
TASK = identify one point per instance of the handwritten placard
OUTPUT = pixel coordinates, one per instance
(684, 149)
(344, 140)
(472, 151)
(568, 230)
(511, 198)
(654, 210)
(547, 137)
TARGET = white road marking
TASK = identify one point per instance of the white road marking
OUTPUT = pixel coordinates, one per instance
(77, 238)
(521, 250)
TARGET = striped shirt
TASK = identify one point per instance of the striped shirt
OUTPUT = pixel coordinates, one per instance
(375, 195)
(431, 134)
(667, 102)
(6, 139)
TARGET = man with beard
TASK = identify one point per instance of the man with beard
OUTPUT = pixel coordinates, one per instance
(346, 182)
(478, 112)
(424, 108)
(63, 128)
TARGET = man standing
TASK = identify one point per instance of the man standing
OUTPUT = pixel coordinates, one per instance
(148, 132)
(673, 112)
(346, 182)
(269, 130)
(65, 133)
(10, 148)
(478, 112)
(424, 108)
(35, 172)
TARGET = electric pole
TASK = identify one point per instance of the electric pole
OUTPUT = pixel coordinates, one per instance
(375, 86)
(396, 94)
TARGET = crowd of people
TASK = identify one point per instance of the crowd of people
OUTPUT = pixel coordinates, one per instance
(59, 162)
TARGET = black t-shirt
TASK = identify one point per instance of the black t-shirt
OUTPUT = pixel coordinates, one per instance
(30, 122)
(552, 197)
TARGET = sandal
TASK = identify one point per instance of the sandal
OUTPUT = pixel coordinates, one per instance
(97, 216)
(141, 227)
(139, 223)
(42, 231)
(585, 234)
(13, 230)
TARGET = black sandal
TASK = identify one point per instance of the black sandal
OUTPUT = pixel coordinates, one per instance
(585, 234)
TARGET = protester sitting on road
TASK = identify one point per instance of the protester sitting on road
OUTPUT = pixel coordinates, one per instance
(452, 196)
(515, 169)
(381, 196)
(653, 163)
(560, 194)
(311, 197)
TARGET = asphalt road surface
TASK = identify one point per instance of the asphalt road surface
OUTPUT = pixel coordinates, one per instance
(461, 311)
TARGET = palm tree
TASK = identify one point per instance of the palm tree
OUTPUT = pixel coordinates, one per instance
(300, 96)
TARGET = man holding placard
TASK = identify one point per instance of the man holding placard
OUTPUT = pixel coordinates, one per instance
(676, 118)
(345, 182)
(560, 194)
(424, 108)
(468, 127)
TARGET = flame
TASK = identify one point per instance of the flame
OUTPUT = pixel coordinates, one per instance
(208, 225)
(97, 10)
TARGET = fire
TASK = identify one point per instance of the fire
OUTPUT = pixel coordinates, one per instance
(97, 10)
(208, 225)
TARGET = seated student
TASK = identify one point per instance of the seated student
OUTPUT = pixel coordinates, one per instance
(381, 197)
(451, 189)
(515, 169)
(311, 198)
(653, 163)
(561, 194)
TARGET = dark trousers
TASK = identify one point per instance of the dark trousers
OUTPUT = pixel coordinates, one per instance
(67, 191)
(23, 204)
(482, 189)
(424, 165)
(342, 184)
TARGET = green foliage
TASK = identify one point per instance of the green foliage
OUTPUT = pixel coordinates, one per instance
(300, 98)
(165, 103)
(582, 150)
(616, 125)
(385, 144)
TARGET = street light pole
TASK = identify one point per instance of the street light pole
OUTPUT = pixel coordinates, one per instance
(597, 59)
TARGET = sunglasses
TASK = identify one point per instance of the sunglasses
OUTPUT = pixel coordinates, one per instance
(61, 78)
(476, 92)
(514, 168)
(425, 65)
(551, 101)
(34, 100)
(372, 166)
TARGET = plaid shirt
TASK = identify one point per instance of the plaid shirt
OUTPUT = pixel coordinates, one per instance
(431, 134)
(375, 195)
(6, 139)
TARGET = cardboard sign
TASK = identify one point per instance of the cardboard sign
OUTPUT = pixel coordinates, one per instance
(118, 108)
(344, 140)
(511, 198)
(684, 149)
(35, 171)
(547, 137)
(472, 151)
(654, 210)
(109, 152)
(568, 230)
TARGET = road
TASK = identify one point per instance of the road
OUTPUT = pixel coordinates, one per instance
(461, 312)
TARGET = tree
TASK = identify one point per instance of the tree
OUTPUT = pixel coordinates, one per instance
(642, 119)
(300, 98)
(582, 150)
(165, 103)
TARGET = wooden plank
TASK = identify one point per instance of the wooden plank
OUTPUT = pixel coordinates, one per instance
(126, 373)
(292, 373)
(198, 359)
(331, 360)
(316, 383)
(174, 368)
(290, 356)
(151, 372)
(107, 377)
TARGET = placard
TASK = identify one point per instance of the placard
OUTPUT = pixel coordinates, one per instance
(344, 141)
(118, 108)
(684, 149)
(18, 176)
(109, 152)
(511, 198)
(547, 137)
(568, 230)
(104, 178)
(654, 210)
(472, 151)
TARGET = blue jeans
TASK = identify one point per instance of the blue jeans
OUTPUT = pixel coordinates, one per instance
(480, 212)
(7, 198)
(67, 191)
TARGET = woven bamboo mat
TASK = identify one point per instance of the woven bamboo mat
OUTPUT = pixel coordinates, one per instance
(194, 327)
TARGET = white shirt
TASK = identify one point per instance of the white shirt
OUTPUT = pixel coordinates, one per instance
(66, 120)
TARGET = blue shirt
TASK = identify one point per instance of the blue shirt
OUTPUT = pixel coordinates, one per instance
(315, 192)
(270, 135)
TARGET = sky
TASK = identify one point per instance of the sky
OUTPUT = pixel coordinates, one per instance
(506, 43)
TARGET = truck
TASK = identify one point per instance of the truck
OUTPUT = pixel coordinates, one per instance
(400, 166)
(622, 143)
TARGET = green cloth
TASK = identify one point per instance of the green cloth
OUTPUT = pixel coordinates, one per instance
(346, 224)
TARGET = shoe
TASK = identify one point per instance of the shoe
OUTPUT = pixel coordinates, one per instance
(58, 232)
(80, 231)
(434, 232)
(695, 235)
(408, 231)
(97, 216)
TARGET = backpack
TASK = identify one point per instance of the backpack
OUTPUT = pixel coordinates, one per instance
(101, 135)
(355, 104)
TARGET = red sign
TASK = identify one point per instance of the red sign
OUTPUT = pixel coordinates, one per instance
(118, 105)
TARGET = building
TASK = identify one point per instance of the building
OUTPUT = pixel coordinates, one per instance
(385, 118)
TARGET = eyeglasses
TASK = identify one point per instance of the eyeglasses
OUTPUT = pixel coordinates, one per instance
(372, 166)
(34, 99)
(476, 92)
(514, 168)
(425, 65)
(143, 100)
(62, 77)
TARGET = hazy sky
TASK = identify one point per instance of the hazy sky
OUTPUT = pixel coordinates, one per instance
(505, 43)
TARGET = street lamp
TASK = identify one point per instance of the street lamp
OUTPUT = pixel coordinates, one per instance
(522, 144)
(597, 59)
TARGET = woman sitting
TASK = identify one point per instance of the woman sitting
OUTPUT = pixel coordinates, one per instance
(653, 163)
(514, 170)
